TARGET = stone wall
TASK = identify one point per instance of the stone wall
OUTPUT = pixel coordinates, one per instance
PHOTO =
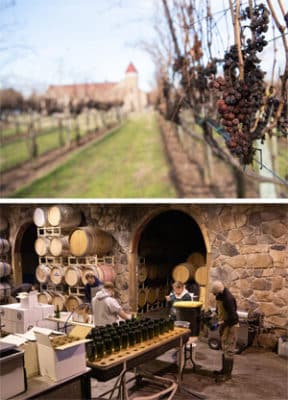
(250, 254)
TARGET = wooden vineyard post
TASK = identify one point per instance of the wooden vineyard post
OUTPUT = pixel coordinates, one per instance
(77, 130)
(208, 165)
(239, 183)
(68, 131)
(266, 189)
(60, 130)
(34, 147)
(87, 121)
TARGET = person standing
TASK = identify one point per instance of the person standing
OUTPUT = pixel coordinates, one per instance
(179, 293)
(106, 308)
(92, 282)
(226, 308)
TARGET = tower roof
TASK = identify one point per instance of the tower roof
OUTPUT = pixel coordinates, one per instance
(131, 69)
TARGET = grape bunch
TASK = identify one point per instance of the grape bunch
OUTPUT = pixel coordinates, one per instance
(239, 100)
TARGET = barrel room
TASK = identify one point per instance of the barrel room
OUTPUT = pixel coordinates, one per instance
(142, 250)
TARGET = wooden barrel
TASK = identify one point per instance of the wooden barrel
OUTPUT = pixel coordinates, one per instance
(105, 272)
(88, 240)
(58, 299)
(42, 273)
(202, 296)
(42, 246)
(197, 259)
(40, 217)
(183, 272)
(64, 216)
(152, 295)
(72, 275)
(162, 291)
(56, 274)
(5, 269)
(142, 273)
(4, 246)
(59, 246)
(142, 297)
(44, 297)
(5, 290)
(201, 275)
(87, 270)
(73, 302)
(156, 272)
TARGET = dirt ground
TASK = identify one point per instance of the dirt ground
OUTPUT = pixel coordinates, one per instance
(258, 374)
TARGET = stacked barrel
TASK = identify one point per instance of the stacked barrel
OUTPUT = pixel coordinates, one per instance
(67, 253)
(194, 268)
(152, 285)
(5, 265)
(154, 280)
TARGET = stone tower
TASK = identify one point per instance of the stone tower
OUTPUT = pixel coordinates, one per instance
(132, 99)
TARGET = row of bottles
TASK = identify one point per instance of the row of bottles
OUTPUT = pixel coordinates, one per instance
(113, 338)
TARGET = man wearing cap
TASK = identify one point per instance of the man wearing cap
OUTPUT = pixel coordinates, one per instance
(226, 308)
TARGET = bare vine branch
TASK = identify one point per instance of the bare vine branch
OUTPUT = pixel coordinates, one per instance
(235, 20)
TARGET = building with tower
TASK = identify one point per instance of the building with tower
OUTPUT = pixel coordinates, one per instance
(126, 91)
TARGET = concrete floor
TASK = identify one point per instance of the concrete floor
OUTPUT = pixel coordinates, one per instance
(258, 375)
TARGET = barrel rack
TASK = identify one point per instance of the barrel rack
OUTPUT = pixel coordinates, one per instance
(66, 261)
(143, 285)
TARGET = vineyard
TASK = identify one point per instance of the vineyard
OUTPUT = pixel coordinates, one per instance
(127, 161)
(30, 135)
(219, 83)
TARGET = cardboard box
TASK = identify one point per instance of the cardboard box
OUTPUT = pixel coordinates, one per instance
(30, 352)
(17, 319)
(29, 300)
(60, 362)
(30, 358)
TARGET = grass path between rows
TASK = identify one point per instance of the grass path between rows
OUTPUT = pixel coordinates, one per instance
(130, 163)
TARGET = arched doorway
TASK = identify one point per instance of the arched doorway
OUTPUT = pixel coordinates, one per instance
(25, 257)
(29, 258)
(163, 241)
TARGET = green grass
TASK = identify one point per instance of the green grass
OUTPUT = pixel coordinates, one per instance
(47, 137)
(16, 153)
(130, 163)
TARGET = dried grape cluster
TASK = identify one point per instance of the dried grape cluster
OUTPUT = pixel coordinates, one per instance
(241, 99)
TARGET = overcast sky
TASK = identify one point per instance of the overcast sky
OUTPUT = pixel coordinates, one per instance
(67, 41)
(46, 42)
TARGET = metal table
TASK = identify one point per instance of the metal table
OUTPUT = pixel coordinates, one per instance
(117, 364)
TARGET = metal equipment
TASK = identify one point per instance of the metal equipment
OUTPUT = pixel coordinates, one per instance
(249, 326)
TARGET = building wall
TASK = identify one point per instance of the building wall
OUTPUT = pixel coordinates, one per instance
(126, 90)
(248, 244)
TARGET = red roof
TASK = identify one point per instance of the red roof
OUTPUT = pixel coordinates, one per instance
(131, 68)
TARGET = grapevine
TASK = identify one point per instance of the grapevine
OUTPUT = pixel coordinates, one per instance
(245, 105)
(241, 99)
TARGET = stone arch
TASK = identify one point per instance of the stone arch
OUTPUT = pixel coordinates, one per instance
(138, 232)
